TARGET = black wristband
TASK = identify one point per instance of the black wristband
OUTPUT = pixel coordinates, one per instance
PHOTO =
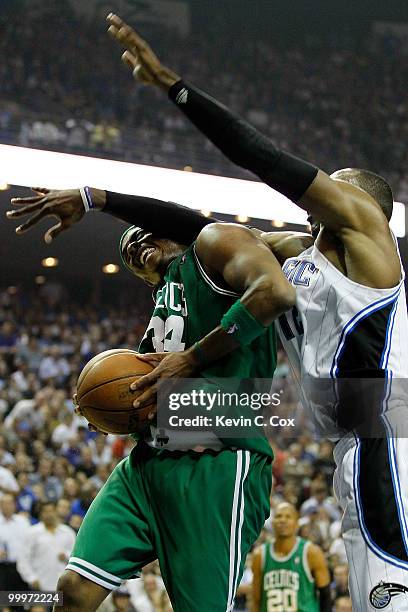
(163, 219)
(325, 599)
(242, 143)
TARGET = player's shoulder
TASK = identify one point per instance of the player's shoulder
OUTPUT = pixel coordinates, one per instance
(215, 232)
(313, 552)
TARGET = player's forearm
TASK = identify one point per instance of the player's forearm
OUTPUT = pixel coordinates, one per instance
(179, 222)
(242, 143)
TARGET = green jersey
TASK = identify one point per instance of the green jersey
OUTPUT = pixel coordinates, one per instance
(188, 306)
(287, 584)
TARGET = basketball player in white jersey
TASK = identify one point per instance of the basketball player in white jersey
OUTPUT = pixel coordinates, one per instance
(350, 322)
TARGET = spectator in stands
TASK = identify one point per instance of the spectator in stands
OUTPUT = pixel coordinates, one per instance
(13, 531)
(320, 499)
(8, 484)
(52, 487)
(339, 585)
(343, 604)
(121, 601)
(47, 548)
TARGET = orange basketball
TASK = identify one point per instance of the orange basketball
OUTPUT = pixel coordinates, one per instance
(104, 395)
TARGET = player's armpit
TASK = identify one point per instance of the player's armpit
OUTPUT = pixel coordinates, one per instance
(236, 259)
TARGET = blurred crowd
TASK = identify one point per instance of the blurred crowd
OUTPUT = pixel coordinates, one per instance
(338, 104)
(52, 466)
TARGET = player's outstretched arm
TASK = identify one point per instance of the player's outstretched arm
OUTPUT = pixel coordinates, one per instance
(238, 140)
(68, 207)
(335, 204)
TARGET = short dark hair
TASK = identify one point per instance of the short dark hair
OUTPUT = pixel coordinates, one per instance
(45, 504)
(372, 183)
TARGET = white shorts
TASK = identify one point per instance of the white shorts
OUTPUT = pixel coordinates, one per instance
(371, 485)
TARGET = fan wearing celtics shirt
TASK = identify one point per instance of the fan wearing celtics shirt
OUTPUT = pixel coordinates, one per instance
(290, 574)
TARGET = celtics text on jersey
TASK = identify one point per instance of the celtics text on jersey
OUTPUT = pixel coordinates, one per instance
(287, 584)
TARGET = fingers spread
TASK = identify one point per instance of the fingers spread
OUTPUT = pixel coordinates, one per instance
(25, 210)
(23, 201)
(53, 232)
(42, 190)
(130, 60)
(144, 381)
(32, 221)
(151, 357)
(146, 398)
(115, 20)
(125, 34)
(112, 30)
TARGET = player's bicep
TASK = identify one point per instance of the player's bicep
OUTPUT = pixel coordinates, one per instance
(318, 566)
(238, 256)
(329, 203)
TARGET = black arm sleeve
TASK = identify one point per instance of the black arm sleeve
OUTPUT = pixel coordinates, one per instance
(242, 143)
(325, 599)
(177, 222)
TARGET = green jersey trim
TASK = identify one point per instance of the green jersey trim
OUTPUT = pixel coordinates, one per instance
(209, 281)
(288, 556)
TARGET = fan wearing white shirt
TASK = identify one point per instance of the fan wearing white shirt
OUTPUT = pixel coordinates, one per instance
(13, 530)
(47, 548)
(8, 484)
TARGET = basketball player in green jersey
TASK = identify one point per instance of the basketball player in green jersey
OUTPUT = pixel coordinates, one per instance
(199, 511)
(290, 574)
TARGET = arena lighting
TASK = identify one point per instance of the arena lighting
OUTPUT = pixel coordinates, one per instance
(4, 186)
(278, 223)
(110, 268)
(242, 218)
(40, 280)
(206, 213)
(26, 167)
(50, 262)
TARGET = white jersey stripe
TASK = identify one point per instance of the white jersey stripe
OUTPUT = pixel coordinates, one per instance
(233, 529)
(241, 522)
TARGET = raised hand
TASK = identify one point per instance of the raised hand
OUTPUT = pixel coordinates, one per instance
(65, 205)
(144, 63)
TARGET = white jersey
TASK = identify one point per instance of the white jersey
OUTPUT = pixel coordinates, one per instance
(340, 329)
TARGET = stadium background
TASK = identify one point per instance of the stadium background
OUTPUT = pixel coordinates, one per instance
(326, 80)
